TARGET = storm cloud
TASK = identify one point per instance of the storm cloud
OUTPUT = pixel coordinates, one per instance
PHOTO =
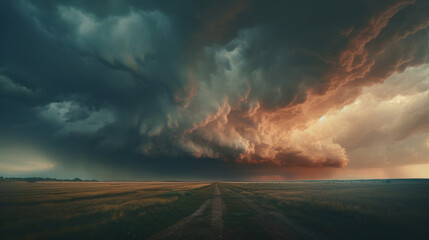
(190, 85)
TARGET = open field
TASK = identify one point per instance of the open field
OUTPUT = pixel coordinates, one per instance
(55, 210)
(394, 209)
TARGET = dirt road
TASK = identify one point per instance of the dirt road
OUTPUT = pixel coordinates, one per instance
(218, 208)
(187, 226)
(275, 224)
(207, 222)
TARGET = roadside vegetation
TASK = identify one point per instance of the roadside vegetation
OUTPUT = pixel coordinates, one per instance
(376, 209)
(48, 210)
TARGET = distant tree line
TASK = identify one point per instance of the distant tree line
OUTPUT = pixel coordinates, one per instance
(40, 179)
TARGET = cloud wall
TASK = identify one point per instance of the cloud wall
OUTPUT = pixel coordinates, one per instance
(296, 84)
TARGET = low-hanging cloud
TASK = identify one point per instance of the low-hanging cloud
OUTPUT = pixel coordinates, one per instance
(253, 100)
(294, 84)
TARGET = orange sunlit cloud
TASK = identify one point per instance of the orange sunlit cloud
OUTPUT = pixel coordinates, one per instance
(309, 89)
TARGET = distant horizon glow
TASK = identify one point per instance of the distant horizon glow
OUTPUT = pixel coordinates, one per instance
(240, 90)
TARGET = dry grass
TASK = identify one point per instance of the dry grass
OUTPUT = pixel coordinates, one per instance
(48, 208)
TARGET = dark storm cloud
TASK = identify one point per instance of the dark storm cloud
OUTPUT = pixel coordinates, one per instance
(128, 82)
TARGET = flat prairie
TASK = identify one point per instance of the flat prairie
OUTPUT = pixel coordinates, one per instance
(370, 209)
(87, 210)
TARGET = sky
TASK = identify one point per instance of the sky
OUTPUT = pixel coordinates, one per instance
(214, 90)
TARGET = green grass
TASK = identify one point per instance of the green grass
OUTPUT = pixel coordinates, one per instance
(350, 210)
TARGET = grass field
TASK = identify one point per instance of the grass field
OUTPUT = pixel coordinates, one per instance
(394, 209)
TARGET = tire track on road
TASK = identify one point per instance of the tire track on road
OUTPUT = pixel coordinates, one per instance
(167, 233)
(218, 208)
(216, 218)
(278, 225)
